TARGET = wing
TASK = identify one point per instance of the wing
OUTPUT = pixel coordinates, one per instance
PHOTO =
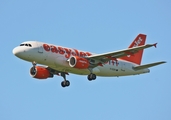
(102, 58)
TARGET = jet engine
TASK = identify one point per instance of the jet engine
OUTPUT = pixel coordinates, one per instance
(40, 72)
(78, 62)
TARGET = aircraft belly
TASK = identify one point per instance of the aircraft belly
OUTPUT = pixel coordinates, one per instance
(109, 70)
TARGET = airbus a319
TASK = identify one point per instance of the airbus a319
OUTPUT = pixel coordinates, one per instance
(59, 60)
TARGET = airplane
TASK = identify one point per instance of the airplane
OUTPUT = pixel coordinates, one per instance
(59, 60)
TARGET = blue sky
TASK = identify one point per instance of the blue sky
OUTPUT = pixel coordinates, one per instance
(92, 25)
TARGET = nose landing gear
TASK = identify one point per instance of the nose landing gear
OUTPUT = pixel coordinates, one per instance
(33, 70)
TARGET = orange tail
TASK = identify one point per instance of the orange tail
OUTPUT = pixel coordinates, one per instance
(136, 58)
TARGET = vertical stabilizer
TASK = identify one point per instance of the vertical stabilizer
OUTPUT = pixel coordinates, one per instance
(136, 58)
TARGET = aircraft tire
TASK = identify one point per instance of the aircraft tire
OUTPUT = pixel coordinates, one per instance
(91, 77)
(65, 83)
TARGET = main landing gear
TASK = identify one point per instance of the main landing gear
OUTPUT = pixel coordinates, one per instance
(64, 83)
(91, 77)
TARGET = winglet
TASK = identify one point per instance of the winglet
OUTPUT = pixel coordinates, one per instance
(155, 45)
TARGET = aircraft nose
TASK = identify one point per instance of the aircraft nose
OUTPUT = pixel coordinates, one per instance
(16, 51)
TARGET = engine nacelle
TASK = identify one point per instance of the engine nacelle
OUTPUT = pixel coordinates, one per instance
(78, 62)
(40, 72)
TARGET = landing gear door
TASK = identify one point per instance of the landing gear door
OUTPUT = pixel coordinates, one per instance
(40, 47)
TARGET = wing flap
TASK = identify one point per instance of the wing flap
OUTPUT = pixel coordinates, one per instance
(140, 67)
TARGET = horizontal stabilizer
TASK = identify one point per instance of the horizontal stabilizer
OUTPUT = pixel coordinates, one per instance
(140, 67)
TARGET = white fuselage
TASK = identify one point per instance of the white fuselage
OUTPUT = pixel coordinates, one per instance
(56, 57)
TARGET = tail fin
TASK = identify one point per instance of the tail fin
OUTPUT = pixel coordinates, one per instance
(136, 58)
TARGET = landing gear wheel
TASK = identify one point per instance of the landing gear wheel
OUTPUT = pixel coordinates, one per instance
(91, 77)
(65, 83)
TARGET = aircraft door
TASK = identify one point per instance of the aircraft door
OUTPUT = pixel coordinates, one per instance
(123, 66)
(40, 47)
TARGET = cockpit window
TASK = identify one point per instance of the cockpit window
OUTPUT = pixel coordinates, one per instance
(21, 44)
(28, 45)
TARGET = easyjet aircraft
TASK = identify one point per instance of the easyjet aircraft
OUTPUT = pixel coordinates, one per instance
(58, 60)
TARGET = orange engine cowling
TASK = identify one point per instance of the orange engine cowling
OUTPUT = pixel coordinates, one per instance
(79, 62)
(40, 72)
